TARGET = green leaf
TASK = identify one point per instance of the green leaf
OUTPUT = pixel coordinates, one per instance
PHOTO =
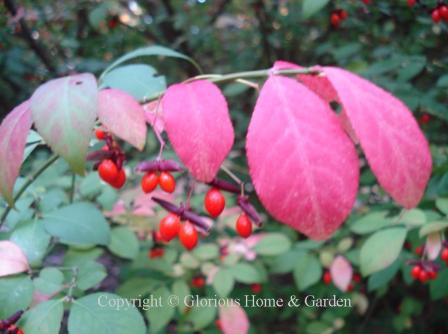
(285, 262)
(45, 318)
(160, 316)
(245, 273)
(438, 287)
(381, 278)
(154, 50)
(99, 313)
(311, 7)
(79, 224)
(136, 287)
(140, 81)
(181, 289)
(442, 205)
(414, 217)
(64, 113)
(381, 249)
(124, 243)
(273, 244)
(77, 257)
(16, 293)
(32, 238)
(206, 252)
(90, 274)
(201, 317)
(223, 282)
(49, 281)
(370, 222)
(307, 271)
(432, 227)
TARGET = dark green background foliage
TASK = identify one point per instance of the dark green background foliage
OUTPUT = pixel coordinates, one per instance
(389, 43)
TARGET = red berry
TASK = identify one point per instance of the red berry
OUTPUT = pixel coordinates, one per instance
(256, 287)
(157, 236)
(411, 3)
(444, 12)
(327, 277)
(435, 15)
(100, 134)
(343, 14)
(149, 182)
(167, 182)
(357, 278)
(244, 226)
(419, 250)
(367, 2)
(108, 170)
(214, 202)
(19, 331)
(120, 180)
(188, 235)
(444, 255)
(350, 287)
(156, 252)
(218, 324)
(423, 276)
(415, 272)
(198, 282)
(335, 19)
(169, 227)
(424, 119)
(432, 275)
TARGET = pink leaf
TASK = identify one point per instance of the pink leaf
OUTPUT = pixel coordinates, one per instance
(433, 245)
(198, 125)
(13, 133)
(12, 259)
(320, 85)
(341, 272)
(396, 149)
(304, 167)
(233, 320)
(64, 112)
(121, 114)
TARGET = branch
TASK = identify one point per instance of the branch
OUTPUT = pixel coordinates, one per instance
(26, 34)
(27, 183)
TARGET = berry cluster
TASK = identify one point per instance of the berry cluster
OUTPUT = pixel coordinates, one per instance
(214, 203)
(337, 16)
(440, 13)
(424, 271)
(158, 172)
(110, 160)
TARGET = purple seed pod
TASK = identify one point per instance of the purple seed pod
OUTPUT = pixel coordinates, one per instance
(225, 185)
(184, 213)
(244, 204)
(159, 165)
(445, 243)
(99, 155)
(430, 266)
(4, 324)
(203, 225)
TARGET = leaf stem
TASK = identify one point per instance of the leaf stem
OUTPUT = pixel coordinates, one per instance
(72, 188)
(27, 183)
(239, 76)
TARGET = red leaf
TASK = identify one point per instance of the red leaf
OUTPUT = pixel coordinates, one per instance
(121, 114)
(198, 125)
(12, 259)
(304, 167)
(13, 133)
(341, 273)
(396, 149)
(233, 320)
